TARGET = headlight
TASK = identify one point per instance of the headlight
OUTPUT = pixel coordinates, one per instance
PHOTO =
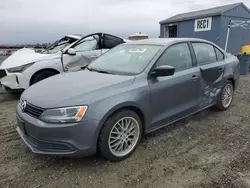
(64, 115)
(19, 68)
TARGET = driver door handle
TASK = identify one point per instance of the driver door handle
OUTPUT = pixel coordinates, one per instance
(221, 69)
(194, 77)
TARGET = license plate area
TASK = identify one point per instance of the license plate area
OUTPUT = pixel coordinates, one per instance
(21, 125)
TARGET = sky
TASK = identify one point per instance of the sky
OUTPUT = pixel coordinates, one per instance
(38, 21)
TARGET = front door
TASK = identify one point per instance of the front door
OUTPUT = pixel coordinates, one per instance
(173, 97)
(86, 50)
(211, 62)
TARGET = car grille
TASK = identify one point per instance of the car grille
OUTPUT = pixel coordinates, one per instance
(32, 110)
(2, 73)
(48, 146)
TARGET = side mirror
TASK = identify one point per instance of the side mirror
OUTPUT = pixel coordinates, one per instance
(71, 51)
(163, 70)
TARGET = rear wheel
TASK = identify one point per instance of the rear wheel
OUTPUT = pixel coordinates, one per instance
(42, 75)
(226, 97)
(120, 135)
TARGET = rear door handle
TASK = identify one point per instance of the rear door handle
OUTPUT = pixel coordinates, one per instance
(221, 69)
(194, 77)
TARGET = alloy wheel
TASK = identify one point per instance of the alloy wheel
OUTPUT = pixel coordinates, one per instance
(227, 95)
(124, 136)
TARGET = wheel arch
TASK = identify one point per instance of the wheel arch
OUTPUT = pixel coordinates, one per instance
(39, 71)
(129, 106)
(232, 80)
(126, 106)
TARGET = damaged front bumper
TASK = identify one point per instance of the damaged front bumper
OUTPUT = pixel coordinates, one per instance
(11, 82)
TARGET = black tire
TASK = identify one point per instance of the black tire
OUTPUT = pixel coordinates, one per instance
(42, 75)
(219, 106)
(103, 143)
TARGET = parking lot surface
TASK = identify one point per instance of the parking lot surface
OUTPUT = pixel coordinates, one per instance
(209, 149)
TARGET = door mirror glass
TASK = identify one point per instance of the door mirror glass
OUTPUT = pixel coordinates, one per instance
(163, 70)
(71, 51)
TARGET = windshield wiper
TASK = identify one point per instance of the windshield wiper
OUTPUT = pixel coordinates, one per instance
(100, 71)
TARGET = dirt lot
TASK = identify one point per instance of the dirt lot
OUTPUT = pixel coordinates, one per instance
(209, 149)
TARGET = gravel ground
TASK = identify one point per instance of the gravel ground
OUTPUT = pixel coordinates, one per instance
(209, 149)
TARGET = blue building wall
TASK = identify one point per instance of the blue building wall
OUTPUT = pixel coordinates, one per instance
(186, 29)
(217, 34)
(238, 36)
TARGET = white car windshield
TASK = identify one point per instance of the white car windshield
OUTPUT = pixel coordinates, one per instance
(127, 59)
(58, 45)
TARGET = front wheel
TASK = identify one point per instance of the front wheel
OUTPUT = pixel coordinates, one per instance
(225, 97)
(42, 75)
(120, 135)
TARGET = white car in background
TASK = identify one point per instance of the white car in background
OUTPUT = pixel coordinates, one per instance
(26, 67)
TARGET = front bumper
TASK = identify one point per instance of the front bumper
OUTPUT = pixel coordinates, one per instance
(12, 81)
(71, 140)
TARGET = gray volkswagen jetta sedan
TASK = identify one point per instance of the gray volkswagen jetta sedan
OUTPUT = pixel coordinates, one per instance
(133, 89)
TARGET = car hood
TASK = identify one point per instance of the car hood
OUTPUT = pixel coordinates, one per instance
(75, 88)
(25, 56)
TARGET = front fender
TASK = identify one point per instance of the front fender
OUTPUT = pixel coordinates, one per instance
(129, 104)
(54, 63)
(25, 77)
(138, 98)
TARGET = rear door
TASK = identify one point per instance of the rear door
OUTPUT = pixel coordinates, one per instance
(212, 65)
(87, 49)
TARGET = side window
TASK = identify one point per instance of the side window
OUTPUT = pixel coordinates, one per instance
(220, 55)
(177, 56)
(111, 41)
(205, 53)
(87, 44)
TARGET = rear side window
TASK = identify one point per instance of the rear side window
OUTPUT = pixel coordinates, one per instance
(220, 55)
(205, 53)
(177, 56)
(111, 41)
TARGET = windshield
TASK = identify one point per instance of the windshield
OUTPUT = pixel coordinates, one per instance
(128, 59)
(58, 45)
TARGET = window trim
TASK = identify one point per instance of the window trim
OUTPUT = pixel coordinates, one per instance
(185, 42)
(79, 41)
(96, 48)
(103, 39)
(202, 42)
(220, 52)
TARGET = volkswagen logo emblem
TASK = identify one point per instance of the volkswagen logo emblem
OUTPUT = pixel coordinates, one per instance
(23, 105)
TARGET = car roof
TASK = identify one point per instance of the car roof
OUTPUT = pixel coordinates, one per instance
(165, 41)
(75, 36)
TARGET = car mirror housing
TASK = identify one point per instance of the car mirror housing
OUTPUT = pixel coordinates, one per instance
(163, 70)
(71, 51)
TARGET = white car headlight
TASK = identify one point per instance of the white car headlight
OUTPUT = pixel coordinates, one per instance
(19, 68)
(64, 115)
